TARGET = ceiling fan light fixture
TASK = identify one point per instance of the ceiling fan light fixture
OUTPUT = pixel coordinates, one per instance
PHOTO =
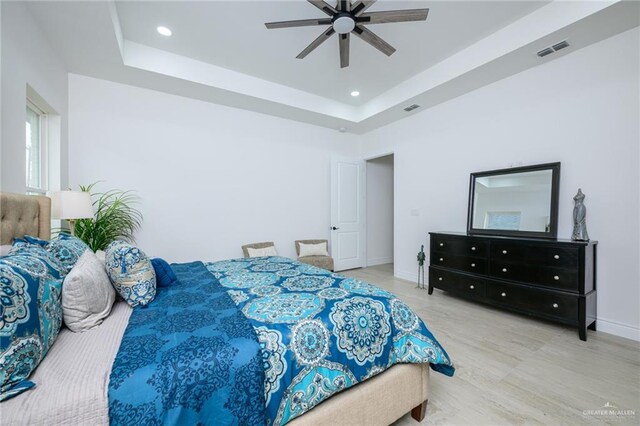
(162, 30)
(344, 24)
(355, 93)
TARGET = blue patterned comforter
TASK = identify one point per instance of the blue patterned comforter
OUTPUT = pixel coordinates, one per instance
(191, 357)
(258, 341)
(321, 332)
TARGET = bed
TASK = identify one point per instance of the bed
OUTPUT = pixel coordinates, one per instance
(73, 380)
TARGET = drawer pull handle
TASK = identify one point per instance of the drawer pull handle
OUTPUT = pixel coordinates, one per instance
(557, 256)
(503, 294)
(504, 252)
(473, 265)
(439, 278)
(555, 277)
(441, 244)
(555, 305)
(441, 259)
(473, 249)
(504, 269)
(472, 287)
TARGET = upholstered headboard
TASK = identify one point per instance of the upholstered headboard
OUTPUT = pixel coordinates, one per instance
(22, 215)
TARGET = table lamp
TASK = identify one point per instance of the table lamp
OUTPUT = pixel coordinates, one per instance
(71, 205)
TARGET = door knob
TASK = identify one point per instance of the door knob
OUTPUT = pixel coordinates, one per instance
(334, 228)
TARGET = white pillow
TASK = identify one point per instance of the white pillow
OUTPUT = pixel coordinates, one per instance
(262, 252)
(319, 249)
(5, 249)
(102, 257)
(87, 294)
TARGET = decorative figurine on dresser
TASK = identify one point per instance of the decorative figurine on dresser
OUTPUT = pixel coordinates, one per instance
(421, 258)
(579, 218)
(510, 256)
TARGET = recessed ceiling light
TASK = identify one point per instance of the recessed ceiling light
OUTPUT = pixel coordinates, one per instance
(164, 31)
(355, 93)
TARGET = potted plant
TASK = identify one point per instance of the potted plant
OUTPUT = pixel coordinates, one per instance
(115, 218)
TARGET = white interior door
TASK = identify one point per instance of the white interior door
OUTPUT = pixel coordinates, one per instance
(347, 214)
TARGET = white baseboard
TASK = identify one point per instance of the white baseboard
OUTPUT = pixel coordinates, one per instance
(618, 329)
(603, 325)
(379, 261)
(411, 276)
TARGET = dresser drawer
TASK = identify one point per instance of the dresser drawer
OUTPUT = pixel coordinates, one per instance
(533, 301)
(463, 246)
(554, 256)
(564, 279)
(476, 265)
(457, 283)
(557, 278)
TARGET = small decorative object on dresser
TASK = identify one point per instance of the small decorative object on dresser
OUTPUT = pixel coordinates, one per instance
(579, 218)
(554, 280)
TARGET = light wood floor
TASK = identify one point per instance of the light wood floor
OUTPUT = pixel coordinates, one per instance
(511, 369)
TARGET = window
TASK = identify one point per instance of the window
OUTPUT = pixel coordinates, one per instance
(36, 146)
(502, 220)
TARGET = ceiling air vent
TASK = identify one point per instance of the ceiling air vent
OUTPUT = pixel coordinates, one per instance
(545, 52)
(412, 107)
(552, 49)
(560, 45)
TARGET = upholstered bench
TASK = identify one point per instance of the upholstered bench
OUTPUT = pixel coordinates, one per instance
(321, 261)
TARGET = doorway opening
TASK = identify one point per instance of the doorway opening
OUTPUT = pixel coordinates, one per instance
(380, 211)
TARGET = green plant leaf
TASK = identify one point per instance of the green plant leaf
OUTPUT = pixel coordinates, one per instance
(115, 218)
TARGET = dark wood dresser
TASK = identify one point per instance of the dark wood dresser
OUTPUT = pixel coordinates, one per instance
(551, 279)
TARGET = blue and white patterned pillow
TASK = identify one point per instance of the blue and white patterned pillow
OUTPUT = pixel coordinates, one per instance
(30, 249)
(30, 318)
(67, 249)
(35, 240)
(131, 273)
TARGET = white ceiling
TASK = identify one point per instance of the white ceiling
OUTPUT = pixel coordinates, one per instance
(231, 34)
(221, 52)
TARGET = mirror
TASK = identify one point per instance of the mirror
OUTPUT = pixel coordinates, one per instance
(521, 201)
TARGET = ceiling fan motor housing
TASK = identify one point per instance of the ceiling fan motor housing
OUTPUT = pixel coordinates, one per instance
(343, 23)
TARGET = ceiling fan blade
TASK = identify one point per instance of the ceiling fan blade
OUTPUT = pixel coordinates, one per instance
(324, 6)
(317, 42)
(360, 6)
(393, 16)
(344, 5)
(298, 23)
(343, 40)
(368, 36)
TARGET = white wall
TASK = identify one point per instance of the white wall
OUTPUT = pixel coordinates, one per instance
(210, 177)
(27, 58)
(380, 210)
(581, 109)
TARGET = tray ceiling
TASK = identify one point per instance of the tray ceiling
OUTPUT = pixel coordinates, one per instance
(221, 52)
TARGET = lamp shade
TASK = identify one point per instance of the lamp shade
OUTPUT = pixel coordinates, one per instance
(71, 205)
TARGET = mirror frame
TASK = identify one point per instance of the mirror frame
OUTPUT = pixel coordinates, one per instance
(553, 214)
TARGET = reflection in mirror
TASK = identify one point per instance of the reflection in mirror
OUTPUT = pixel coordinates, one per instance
(514, 202)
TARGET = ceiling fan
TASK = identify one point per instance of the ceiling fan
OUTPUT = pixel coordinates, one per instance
(351, 17)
